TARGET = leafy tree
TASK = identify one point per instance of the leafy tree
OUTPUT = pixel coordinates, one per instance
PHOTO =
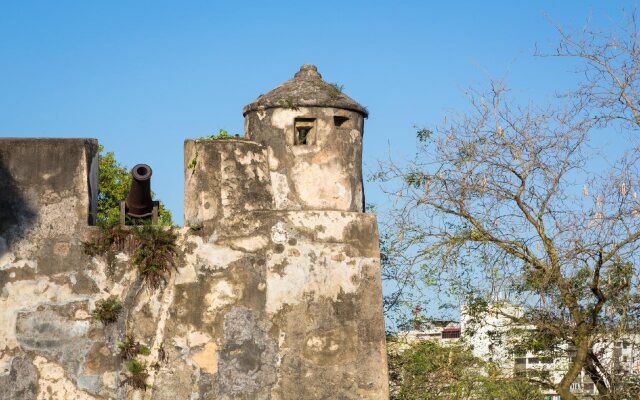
(509, 207)
(114, 181)
(427, 370)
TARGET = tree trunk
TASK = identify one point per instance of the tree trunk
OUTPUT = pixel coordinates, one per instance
(596, 376)
(582, 349)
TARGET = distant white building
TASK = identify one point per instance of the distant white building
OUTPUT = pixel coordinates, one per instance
(444, 331)
(620, 356)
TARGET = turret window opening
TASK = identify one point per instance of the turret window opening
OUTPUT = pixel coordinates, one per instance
(338, 121)
(304, 131)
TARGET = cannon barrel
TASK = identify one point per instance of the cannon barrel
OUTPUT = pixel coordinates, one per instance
(139, 202)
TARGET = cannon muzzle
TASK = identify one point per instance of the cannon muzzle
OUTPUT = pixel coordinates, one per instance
(139, 203)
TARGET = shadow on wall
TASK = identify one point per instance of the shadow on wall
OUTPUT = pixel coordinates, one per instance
(16, 216)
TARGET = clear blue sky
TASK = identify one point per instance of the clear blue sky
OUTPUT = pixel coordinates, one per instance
(142, 76)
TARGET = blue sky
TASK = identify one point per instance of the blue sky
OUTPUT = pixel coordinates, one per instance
(143, 76)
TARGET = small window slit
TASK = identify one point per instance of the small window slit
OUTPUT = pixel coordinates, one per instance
(304, 131)
(339, 121)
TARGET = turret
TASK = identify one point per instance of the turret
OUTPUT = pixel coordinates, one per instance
(313, 133)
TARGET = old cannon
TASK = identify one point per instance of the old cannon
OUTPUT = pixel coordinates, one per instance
(139, 205)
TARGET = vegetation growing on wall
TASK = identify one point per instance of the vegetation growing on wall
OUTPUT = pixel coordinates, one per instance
(222, 135)
(335, 89)
(107, 310)
(110, 239)
(130, 348)
(155, 254)
(154, 249)
(288, 103)
(136, 375)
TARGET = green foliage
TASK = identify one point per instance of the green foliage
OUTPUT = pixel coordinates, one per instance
(107, 310)
(114, 181)
(194, 161)
(417, 179)
(113, 186)
(423, 134)
(427, 370)
(138, 374)
(130, 348)
(108, 239)
(154, 249)
(222, 135)
(155, 254)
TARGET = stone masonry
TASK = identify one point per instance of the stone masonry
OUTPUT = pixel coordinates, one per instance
(277, 292)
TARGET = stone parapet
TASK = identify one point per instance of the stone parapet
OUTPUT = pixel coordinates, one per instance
(48, 193)
(223, 178)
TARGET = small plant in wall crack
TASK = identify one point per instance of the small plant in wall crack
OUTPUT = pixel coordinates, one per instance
(107, 310)
(223, 134)
(162, 354)
(136, 375)
(194, 161)
(335, 90)
(112, 239)
(130, 348)
(288, 103)
(108, 242)
(155, 254)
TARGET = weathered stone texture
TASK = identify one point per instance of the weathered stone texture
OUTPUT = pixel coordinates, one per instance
(224, 178)
(306, 89)
(21, 382)
(325, 174)
(48, 192)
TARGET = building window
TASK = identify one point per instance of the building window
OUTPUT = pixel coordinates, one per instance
(304, 131)
(451, 334)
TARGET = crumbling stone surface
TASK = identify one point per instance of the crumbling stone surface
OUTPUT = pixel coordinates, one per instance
(247, 361)
(224, 178)
(326, 173)
(22, 381)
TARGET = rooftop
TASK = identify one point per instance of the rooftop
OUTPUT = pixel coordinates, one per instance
(306, 89)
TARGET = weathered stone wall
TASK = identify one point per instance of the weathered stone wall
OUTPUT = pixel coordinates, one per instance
(223, 179)
(264, 304)
(48, 192)
(323, 175)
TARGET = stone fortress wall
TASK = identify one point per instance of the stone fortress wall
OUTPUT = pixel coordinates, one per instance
(277, 292)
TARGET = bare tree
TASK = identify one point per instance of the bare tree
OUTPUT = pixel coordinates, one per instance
(609, 64)
(506, 199)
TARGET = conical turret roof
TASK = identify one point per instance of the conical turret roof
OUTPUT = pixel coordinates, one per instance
(306, 89)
